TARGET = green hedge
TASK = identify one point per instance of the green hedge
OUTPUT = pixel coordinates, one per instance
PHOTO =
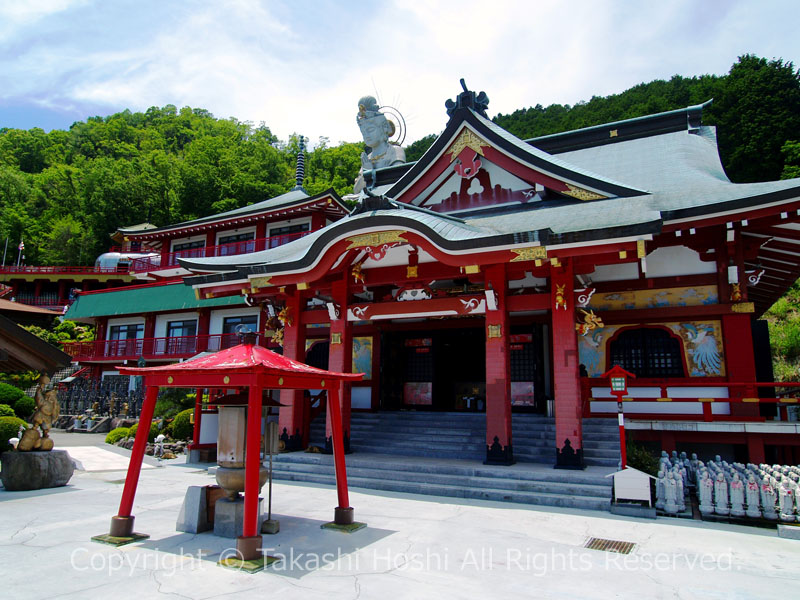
(25, 407)
(7, 411)
(182, 429)
(9, 428)
(10, 394)
(151, 436)
(115, 435)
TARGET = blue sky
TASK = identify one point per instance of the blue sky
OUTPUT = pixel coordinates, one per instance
(302, 66)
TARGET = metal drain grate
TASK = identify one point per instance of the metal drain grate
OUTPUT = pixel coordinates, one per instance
(609, 545)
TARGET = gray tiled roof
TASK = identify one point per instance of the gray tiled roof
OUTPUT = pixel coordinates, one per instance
(680, 170)
(290, 197)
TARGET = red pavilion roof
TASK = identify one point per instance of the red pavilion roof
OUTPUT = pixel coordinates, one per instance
(243, 358)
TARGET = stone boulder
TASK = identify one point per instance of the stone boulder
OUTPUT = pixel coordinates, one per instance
(35, 470)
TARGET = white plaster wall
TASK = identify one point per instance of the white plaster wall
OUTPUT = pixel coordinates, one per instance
(194, 238)
(162, 320)
(620, 272)
(209, 428)
(677, 260)
(218, 316)
(227, 232)
(124, 321)
(278, 224)
(663, 408)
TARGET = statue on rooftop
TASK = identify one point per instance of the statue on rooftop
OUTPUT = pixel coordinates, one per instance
(376, 130)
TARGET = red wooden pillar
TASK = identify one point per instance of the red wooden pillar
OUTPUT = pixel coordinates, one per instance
(566, 375)
(211, 241)
(340, 360)
(148, 347)
(203, 328)
(291, 417)
(261, 234)
(343, 515)
(249, 543)
(755, 448)
(37, 288)
(740, 362)
(499, 449)
(165, 252)
(122, 524)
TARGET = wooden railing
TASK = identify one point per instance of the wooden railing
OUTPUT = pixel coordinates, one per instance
(154, 348)
(739, 392)
(154, 263)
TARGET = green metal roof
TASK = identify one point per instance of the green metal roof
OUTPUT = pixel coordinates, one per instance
(140, 300)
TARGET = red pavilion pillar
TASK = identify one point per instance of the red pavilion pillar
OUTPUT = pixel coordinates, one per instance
(122, 524)
(248, 544)
(340, 360)
(499, 449)
(291, 418)
(566, 375)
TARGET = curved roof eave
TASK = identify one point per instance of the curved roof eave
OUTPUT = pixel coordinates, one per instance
(472, 240)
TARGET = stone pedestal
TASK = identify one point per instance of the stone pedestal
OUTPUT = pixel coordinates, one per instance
(229, 517)
(193, 517)
(34, 470)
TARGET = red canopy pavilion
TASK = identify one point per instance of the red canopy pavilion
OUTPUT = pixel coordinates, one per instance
(254, 367)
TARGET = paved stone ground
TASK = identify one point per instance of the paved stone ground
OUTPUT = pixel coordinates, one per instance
(415, 547)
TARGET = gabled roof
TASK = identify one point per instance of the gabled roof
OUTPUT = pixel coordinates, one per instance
(296, 199)
(467, 128)
(656, 171)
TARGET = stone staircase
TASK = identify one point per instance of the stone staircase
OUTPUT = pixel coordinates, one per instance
(442, 454)
(462, 436)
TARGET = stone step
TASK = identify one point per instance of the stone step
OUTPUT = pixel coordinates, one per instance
(498, 483)
(449, 467)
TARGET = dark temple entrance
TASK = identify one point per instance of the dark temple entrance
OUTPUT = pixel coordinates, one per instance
(445, 369)
(442, 370)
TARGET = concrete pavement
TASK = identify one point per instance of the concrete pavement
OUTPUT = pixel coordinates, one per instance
(414, 547)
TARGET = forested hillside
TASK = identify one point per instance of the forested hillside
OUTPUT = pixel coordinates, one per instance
(63, 192)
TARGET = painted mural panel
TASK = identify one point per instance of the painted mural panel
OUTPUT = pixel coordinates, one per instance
(679, 296)
(362, 356)
(702, 346)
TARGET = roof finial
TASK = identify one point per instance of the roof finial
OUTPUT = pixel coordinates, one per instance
(300, 171)
(468, 99)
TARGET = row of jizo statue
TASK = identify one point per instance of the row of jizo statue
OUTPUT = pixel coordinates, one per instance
(729, 490)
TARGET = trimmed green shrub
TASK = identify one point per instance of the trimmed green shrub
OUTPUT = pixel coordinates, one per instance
(151, 436)
(641, 458)
(25, 407)
(7, 411)
(115, 435)
(10, 394)
(9, 428)
(182, 429)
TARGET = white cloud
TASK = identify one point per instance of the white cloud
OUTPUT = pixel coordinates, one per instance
(301, 68)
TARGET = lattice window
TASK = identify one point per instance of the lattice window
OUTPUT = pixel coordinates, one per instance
(648, 352)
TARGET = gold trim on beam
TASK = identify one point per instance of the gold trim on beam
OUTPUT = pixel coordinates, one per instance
(303, 285)
(466, 139)
(623, 254)
(259, 282)
(375, 239)
(581, 194)
(529, 253)
(209, 295)
(472, 269)
(743, 307)
(640, 250)
(196, 294)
